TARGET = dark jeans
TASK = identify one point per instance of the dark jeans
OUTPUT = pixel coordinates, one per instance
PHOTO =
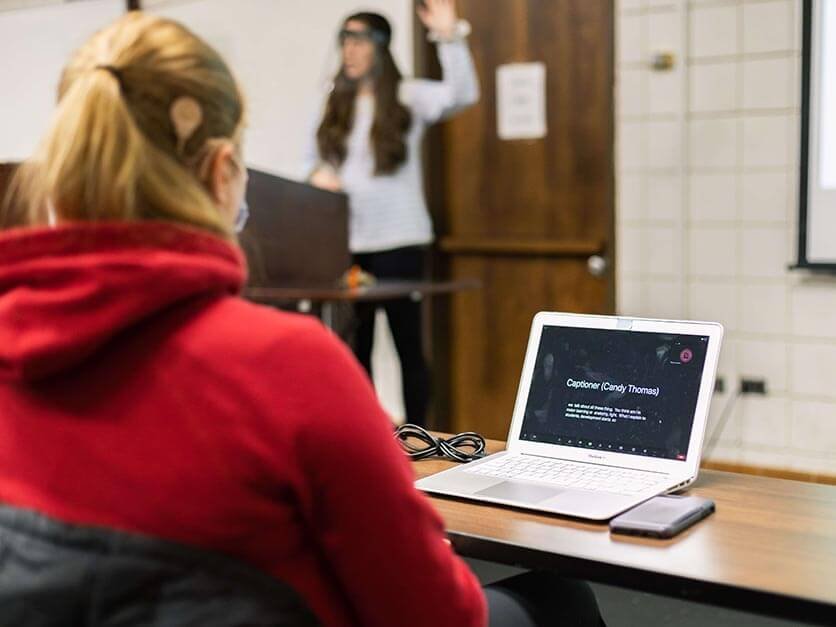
(405, 320)
(537, 599)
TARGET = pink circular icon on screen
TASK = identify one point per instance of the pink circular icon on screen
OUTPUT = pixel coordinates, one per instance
(686, 355)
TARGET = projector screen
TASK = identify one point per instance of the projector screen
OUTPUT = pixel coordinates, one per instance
(817, 194)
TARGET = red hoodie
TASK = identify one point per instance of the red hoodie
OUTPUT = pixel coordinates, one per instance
(137, 391)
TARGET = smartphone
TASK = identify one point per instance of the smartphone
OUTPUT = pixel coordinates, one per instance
(662, 516)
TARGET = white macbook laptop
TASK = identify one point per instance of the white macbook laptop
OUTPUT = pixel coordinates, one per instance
(610, 412)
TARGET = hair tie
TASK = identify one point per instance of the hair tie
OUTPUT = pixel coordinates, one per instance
(186, 117)
(114, 72)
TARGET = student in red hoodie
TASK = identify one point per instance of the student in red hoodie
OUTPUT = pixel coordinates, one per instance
(140, 393)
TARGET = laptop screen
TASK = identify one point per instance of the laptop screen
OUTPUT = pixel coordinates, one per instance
(622, 391)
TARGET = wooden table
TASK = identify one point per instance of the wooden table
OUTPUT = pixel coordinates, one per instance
(304, 297)
(769, 549)
(382, 290)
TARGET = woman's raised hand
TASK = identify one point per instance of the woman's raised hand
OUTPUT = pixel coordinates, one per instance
(439, 16)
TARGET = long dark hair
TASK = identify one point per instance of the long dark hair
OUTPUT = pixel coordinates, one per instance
(391, 120)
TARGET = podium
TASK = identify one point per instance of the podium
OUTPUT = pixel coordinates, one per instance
(296, 242)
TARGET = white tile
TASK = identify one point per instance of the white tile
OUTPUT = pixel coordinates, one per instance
(724, 424)
(771, 458)
(663, 251)
(664, 92)
(713, 302)
(765, 421)
(813, 307)
(764, 252)
(727, 366)
(713, 143)
(629, 297)
(629, 197)
(664, 299)
(766, 141)
(722, 453)
(763, 309)
(767, 84)
(822, 463)
(664, 144)
(791, 235)
(793, 177)
(664, 197)
(767, 26)
(629, 145)
(794, 133)
(797, 20)
(713, 31)
(629, 251)
(712, 197)
(628, 5)
(765, 196)
(795, 85)
(814, 426)
(713, 87)
(811, 370)
(629, 39)
(630, 91)
(722, 433)
(664, 33)
(712, 252)
(764, 359)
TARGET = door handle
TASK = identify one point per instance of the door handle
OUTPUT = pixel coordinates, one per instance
(597, 265)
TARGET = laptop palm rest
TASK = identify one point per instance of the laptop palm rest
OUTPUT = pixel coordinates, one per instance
(519, 492)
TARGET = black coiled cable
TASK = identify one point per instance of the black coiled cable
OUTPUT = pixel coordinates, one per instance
(428, 445)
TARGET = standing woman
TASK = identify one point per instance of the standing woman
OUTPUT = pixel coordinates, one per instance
(368, 145)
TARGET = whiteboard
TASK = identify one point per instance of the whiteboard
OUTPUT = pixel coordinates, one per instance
(284, 52)
(817, 235)
(35, 44)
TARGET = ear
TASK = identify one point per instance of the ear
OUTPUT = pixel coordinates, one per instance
(221, 170)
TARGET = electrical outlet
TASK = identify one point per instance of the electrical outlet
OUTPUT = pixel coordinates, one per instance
(753, 386)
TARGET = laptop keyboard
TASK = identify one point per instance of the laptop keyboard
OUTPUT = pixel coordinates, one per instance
(568, 474)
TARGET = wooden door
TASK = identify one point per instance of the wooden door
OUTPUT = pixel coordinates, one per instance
(524, 217)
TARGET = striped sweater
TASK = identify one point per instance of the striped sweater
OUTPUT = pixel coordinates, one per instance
(390, 211)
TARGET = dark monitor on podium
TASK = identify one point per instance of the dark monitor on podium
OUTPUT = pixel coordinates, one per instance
(297, 235)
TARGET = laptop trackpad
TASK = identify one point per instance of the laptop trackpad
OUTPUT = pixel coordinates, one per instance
(520, 492)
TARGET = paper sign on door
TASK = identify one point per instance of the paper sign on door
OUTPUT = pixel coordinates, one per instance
(521, 100)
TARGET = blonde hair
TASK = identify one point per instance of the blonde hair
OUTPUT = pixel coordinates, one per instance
(112, 151)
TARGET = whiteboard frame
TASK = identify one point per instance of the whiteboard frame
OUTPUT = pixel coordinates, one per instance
(810, 55)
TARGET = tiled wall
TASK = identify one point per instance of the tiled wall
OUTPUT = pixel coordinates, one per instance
(707, 161)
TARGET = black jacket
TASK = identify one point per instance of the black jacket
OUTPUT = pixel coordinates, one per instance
(57, 575)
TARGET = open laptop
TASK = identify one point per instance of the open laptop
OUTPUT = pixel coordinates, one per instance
(610, 412)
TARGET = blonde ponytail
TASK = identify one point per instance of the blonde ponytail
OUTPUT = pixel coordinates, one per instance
(112, 152)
